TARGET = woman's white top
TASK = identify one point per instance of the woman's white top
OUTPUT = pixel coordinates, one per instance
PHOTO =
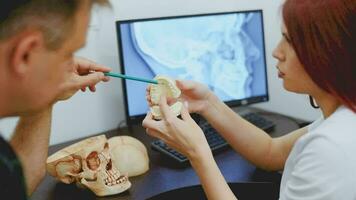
(322, 163)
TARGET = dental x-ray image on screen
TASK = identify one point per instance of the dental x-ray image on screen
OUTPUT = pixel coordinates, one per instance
(224, 51)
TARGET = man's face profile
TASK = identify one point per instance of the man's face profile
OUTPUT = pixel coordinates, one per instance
(37, 71)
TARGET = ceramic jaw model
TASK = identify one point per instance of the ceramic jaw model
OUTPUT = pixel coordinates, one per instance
(166, 86)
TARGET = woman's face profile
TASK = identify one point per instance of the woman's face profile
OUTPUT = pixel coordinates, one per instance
(290, 70)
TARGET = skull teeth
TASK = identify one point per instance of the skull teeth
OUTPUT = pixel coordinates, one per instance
(115, 179)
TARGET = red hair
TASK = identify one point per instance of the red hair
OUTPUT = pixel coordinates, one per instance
(322, 33)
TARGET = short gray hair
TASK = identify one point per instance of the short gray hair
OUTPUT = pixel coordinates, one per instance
(53, 17)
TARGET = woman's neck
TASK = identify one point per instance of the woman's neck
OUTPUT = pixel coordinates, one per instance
(327, 103)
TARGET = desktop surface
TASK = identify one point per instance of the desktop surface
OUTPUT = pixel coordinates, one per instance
(243, 191)
(163, 175)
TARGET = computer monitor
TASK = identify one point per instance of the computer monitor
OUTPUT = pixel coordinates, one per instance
(225, 51)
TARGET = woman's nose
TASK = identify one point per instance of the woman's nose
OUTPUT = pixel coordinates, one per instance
(278, 54)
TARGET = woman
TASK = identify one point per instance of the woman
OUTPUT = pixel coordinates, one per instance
(316, 56)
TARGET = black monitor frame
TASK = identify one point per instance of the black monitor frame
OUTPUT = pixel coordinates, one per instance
(137, 119)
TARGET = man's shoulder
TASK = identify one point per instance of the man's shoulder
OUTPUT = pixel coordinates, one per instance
(6, 152)
(12, 179)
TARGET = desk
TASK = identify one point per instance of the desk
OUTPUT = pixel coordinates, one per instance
(163, 175)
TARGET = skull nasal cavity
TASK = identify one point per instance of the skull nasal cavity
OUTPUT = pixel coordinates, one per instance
(93, 160)
(109, 165)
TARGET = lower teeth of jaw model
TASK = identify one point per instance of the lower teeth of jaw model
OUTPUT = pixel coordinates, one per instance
(168, 87)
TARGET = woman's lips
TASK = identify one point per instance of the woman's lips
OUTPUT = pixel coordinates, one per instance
(280, 74)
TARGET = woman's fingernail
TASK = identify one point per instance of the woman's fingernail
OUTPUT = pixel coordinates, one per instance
(186, 104)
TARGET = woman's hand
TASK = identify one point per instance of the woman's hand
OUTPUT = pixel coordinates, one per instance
(184, 134)
(195, 94)
(83, 73)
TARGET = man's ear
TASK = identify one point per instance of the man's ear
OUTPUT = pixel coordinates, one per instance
(26, 47)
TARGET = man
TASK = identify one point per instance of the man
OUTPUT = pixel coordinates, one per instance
(37, 69)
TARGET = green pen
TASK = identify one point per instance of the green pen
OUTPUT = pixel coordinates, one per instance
(117, 75)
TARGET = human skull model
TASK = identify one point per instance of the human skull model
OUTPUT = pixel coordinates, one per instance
(167, 87)
(129, 155)
(89, 163)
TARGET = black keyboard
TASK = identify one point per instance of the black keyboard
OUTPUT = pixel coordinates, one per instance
(215, 141)
(259, 121)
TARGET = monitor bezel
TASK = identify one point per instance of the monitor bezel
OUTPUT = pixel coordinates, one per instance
(137, 119)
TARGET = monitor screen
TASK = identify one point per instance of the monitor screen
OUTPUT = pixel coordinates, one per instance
(225, 51)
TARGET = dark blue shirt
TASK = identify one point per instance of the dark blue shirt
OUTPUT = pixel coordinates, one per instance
(12, 184)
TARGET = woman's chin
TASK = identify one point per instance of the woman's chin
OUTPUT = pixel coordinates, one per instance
(293, 89)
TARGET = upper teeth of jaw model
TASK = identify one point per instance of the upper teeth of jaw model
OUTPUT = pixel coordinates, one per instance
(166, 86)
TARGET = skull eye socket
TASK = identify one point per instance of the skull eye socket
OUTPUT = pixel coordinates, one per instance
(93, 160)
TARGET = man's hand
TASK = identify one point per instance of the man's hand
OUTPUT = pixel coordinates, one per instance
(81, 74)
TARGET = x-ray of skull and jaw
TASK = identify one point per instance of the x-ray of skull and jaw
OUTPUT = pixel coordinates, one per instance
(99, 164)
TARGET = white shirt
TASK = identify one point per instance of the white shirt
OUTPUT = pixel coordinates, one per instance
(322, 163)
